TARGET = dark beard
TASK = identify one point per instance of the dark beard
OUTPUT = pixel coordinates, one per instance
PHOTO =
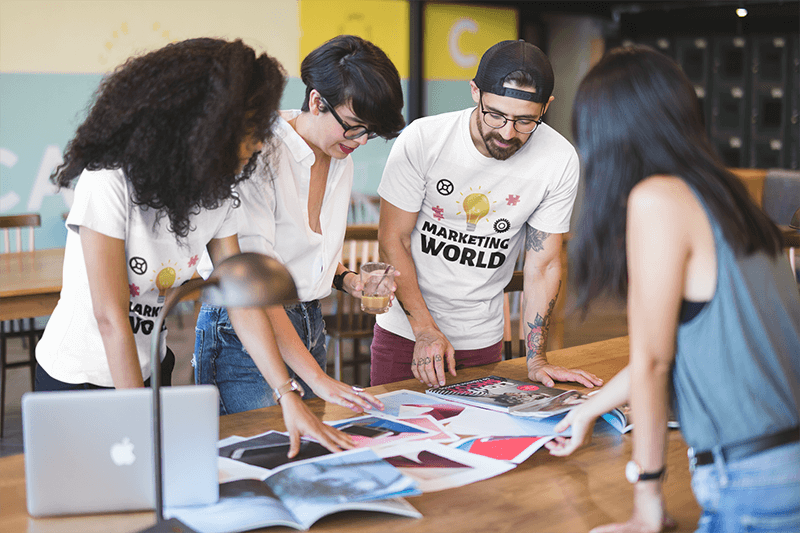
(501, 154)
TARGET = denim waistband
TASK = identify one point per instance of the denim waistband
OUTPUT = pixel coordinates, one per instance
(741, 450)
(313, 304)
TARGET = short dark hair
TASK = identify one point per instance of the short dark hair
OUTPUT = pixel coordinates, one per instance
(636, 115)
(173, 120)
(351, 69)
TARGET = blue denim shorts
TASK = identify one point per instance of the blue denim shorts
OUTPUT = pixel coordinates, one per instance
(221, 360)
(758, 493)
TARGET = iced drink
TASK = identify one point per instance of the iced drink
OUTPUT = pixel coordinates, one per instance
(378, 281)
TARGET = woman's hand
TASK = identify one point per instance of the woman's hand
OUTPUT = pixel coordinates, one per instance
(354, 287)
(352, 284)
(582, 426)
(338, 393)
(300, 421)
(649, 515)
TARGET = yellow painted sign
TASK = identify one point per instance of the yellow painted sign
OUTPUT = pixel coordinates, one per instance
(456, 37)
(383, 22)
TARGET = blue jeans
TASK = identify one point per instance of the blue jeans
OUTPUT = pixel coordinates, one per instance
(757, 493)
(220, 359)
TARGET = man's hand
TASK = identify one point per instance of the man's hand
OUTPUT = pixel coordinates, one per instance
(542, 371)
(430, 352)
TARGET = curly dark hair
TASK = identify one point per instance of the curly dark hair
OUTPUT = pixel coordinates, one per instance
(173, 120)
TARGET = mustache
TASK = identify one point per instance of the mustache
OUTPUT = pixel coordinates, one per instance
(513, 143)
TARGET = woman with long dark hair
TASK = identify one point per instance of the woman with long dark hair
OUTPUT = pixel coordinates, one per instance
(154, 165)
(713, 308)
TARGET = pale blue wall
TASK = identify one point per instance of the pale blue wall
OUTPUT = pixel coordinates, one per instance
(38, 116)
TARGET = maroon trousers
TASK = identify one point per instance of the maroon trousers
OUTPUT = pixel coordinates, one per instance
(391, 357)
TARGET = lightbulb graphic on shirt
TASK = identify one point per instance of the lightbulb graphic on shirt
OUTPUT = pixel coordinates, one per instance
(164, 280)
(476, 206)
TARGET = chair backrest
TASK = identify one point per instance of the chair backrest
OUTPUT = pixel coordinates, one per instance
(14, 227)
(781, 197)
(360, 246)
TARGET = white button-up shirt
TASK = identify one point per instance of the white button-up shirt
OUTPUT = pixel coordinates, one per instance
(273, 214)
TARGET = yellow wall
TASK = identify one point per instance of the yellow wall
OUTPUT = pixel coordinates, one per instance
(384, 22)
(85, 36)
(456, 36)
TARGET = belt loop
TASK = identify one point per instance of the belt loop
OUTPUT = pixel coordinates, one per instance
(692, 459)
(719, 462)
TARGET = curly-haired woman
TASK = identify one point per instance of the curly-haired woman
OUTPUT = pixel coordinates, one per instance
(168, 136)
(295, 208)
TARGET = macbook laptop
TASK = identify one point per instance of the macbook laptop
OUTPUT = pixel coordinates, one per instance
(92, 452)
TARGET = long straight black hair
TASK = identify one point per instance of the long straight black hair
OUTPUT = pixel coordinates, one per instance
(636, 115)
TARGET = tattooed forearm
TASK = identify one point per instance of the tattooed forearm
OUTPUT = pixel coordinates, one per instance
(534, 239)
(403, 307)
(536, 340)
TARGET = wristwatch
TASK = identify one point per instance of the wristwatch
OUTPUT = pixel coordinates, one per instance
(286, 388)
(635, 473)
(338, 280)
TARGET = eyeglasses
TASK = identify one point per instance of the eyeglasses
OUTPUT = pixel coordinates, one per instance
(350, 132)
(498, 120)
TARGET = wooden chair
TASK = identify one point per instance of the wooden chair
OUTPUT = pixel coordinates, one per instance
(778, 193)
(348, 322)
(17, 230)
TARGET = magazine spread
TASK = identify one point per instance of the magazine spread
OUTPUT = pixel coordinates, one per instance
(463, 419)
(518, 398)
(298, 494)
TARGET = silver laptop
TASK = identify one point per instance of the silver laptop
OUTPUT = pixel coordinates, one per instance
(92, 452)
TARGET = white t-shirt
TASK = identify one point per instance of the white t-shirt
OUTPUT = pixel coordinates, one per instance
(273, 214)
(472, 215)
(71, 349)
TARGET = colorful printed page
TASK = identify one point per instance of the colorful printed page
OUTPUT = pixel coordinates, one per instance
(269, 450)
(436, 467)
(367, 431)
(514, 449)
(440, 433)
(463, 419)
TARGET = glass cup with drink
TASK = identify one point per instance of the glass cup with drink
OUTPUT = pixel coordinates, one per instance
(378, 281)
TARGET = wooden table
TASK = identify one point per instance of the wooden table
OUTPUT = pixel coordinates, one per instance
(543, 494)
(30, 283)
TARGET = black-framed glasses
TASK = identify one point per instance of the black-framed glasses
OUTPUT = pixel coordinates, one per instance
(498, 120)
(350, 132)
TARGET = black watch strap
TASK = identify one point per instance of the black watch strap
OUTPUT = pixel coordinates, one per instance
(338, 280)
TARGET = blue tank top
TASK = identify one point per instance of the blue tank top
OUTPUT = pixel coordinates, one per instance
(737, 366)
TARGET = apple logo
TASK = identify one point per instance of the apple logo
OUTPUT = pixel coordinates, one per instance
(122, 453)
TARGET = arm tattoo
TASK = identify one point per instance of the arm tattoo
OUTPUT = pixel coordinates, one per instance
(536, 340)
(534, 239)
(403, 307)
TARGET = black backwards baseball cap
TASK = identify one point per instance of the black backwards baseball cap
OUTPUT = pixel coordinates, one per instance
(509, 56)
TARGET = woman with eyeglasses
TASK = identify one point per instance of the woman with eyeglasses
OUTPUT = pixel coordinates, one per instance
(295, 209)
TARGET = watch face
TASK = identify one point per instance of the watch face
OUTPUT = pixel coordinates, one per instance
(632, 472)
